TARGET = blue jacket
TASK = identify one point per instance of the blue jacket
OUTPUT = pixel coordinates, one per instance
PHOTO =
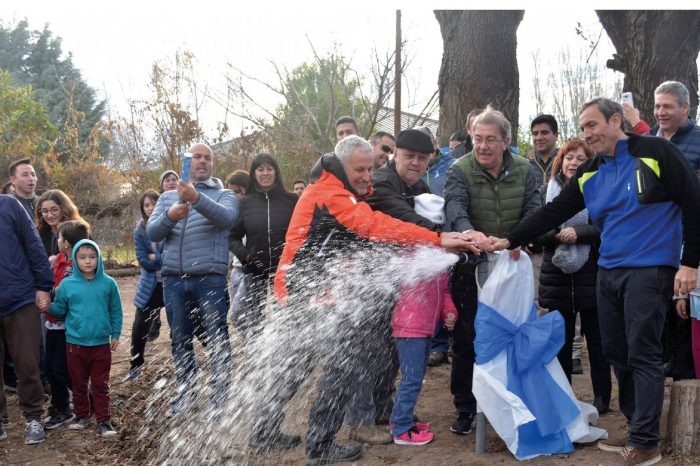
(436, 175)
(24, 268)
(198, 244)
(687, 139)
(645, 201)
(92, 309)
(147, 280)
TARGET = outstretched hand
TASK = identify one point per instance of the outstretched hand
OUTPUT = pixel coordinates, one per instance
(458, 242)
(498, 244)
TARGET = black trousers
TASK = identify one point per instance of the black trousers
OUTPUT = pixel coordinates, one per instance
(142, 324)
(57, 369)
(632, 304)
(600, 368)
(464, 295)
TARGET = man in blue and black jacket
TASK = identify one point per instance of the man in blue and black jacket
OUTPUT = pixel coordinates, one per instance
(644, 199)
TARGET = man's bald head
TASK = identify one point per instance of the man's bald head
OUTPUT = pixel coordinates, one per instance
(202, 162)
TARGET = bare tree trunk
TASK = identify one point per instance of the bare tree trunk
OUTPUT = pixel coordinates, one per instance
(479, 66)
(653, 47)
(683, 433)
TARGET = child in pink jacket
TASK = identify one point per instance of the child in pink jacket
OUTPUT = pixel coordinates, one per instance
(416, 316)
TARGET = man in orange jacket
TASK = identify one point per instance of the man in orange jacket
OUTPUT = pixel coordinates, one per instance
(332, 225)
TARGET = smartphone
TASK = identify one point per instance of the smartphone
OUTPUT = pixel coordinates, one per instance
(627, 99)
(186, 166)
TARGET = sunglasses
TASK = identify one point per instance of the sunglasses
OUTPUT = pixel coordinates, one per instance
(387, 149)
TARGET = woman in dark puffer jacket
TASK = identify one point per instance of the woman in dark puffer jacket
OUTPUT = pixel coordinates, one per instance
(569, 271)
(265, 212)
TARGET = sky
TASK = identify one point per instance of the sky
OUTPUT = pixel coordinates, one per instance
(115, 46)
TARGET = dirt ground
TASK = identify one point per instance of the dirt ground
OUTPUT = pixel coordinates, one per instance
(65, 447)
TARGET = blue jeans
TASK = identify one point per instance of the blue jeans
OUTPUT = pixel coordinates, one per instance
(413, 358)
(207, 295)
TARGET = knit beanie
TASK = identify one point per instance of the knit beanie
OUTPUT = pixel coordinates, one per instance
(431, 207)
(165, 174)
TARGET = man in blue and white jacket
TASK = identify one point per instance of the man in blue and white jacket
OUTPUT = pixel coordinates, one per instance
(195, 221)
(644, 199)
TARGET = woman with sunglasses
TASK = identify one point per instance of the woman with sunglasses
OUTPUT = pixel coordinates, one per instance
(569, 271)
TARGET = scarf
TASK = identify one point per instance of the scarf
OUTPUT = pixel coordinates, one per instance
(569, 258)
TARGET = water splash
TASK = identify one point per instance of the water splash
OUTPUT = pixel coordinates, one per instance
(330, 299)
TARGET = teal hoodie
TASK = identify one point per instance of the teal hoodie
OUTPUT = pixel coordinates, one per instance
(92, 309)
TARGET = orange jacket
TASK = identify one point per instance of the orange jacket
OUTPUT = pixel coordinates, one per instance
(330, 208)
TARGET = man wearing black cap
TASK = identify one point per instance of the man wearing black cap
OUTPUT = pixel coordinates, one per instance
(395, 184)
(399, 180)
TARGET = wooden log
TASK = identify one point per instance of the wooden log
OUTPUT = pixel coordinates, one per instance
(683, 433)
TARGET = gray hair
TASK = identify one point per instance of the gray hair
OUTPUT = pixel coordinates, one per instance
(674, 88)
(491, 116)
(605, 106)
(349, 145)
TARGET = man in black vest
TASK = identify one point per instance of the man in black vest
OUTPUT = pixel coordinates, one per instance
(489, 189)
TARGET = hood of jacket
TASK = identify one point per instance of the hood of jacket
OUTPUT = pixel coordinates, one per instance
(76, 270)
(210, 183)
(330, 163)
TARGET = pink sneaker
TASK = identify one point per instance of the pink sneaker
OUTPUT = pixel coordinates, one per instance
(421, 426)
(413, 437)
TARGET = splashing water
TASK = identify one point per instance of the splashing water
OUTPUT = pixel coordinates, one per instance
(331, 300)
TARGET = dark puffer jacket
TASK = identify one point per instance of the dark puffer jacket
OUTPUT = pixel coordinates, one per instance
(395, 197)
(263, 221)
(564, 291)
(687, 139)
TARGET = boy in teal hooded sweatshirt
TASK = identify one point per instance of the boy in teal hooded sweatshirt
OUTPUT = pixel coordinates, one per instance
(90, 303)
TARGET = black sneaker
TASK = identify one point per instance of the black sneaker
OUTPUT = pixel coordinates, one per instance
(576, 366)
(3, 434)
(337, 453)
(274, 443)
(79, 423)
(601, 404)
(436, 358)
(106, 429)
(463, 424)
(57, 420)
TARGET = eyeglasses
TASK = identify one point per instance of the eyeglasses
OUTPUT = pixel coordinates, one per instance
(489, 141)
(387, 149)
(52, 211)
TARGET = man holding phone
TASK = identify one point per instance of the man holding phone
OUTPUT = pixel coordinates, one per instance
(195, 221)
(673, 122)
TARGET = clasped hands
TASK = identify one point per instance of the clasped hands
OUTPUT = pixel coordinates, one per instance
(476, 242)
